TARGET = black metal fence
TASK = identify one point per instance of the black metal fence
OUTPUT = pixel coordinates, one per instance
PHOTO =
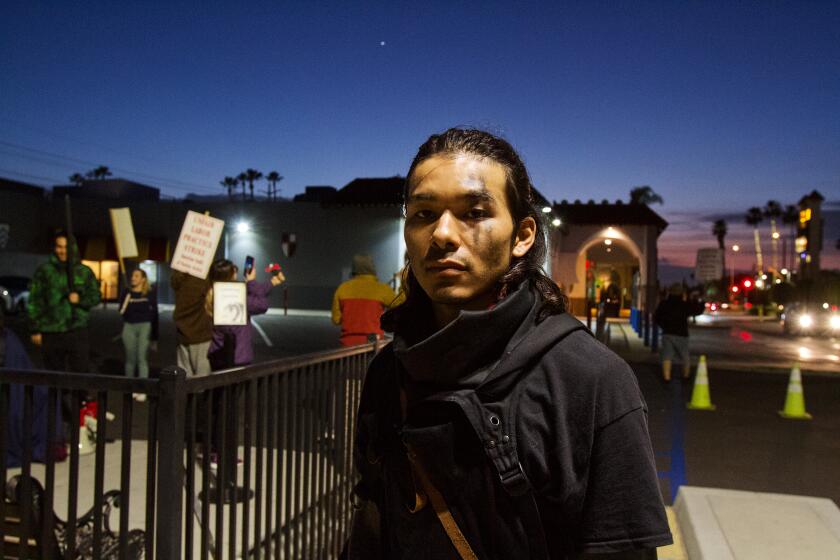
(251, 462)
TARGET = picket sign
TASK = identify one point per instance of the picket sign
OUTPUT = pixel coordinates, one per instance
(197, 244)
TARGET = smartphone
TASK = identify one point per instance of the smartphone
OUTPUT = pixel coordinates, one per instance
(249, 264)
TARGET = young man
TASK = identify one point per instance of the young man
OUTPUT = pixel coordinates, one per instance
(359, 302)
(672, 316)
(494, 426)
(58, 312)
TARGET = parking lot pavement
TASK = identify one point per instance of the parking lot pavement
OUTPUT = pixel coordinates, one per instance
(744, 444)
(281, 336)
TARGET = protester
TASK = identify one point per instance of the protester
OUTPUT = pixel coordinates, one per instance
(140, 325)
(672, 316)
(495, 426)
(359, 302)
(194, 326)
(13, 356)
(232, 345)
(58, 313)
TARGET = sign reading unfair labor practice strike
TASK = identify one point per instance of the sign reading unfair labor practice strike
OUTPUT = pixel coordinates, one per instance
(197, 244)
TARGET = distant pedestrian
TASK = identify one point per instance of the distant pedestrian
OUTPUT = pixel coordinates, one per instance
(359, 303)
(59, 305)
(139, 310)
(194, 326)
(232, 345)
(672, 316)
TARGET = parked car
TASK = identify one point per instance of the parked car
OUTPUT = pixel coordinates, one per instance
(803, 319)
(14, 293)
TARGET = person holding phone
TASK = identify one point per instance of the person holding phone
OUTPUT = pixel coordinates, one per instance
(232, 345)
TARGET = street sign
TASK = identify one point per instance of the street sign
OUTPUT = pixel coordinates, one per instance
(709, 266)
(197, 244)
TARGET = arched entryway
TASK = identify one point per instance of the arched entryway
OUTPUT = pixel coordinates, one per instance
(613, 275)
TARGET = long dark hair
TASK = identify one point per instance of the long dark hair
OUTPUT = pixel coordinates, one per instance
(520, 201)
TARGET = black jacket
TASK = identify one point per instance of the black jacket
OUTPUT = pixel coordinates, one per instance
(673, 312)
(535, 434)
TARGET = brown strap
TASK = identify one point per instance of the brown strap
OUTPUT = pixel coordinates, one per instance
(459, 541)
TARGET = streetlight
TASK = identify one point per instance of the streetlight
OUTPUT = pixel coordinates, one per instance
(241, 226)
(735, 249)
(556, 222)
(546, 209)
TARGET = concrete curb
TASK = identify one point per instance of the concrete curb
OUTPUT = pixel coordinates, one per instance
(724, 524)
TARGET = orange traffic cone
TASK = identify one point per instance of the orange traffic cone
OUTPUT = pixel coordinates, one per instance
(795, 400)
(700, 397)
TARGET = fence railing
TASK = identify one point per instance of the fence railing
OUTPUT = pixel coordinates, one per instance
(252, 462)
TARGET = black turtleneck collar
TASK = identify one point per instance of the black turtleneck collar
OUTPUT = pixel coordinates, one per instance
(474, 340)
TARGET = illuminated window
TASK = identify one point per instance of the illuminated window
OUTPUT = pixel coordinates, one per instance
(107, 272)
(801, 244)
(805, 216)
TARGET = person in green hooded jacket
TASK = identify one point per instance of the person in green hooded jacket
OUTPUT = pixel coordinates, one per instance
(58, 313)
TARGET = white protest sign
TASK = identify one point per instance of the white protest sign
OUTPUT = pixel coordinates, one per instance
(123, 232)
(230, 300)
(197, 244)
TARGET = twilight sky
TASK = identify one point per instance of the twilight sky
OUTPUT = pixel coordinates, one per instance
(717, 106)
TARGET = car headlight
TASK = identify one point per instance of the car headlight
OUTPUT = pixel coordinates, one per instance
(834, 322)
(806, 321)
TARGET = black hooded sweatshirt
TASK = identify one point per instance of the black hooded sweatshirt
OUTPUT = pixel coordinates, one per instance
(489, 392)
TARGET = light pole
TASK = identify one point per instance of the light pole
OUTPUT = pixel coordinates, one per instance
(735, 249)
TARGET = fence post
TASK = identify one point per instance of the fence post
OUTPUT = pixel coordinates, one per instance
(170, 470)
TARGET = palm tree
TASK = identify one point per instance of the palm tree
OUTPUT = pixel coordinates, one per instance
(77, 179)
(252, 175)
(790, 218)
(773, 210)
(273, 178)
(242, 179)
(644, 195)
(230, 184)
(719, 231)
(754, 217)
(99, 173)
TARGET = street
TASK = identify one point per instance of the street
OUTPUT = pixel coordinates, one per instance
(742, 342)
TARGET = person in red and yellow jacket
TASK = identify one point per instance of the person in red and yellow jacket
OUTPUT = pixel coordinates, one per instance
(359, 302)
